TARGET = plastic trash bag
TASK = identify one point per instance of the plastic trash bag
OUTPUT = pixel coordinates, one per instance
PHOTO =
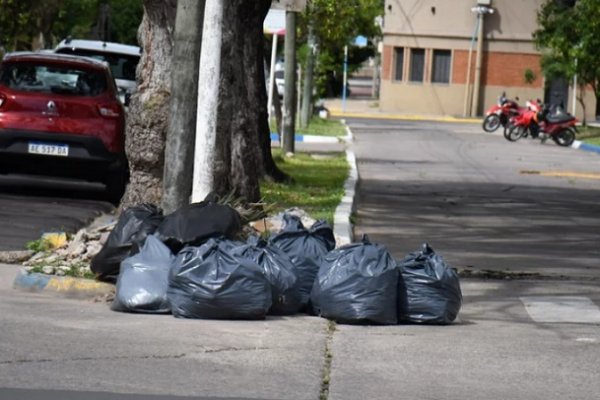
(357, 283)
(193, 224)
(213, 282)
(144, 278)
(126, 238)
(279, 270)
(306, 248)
(432, 288)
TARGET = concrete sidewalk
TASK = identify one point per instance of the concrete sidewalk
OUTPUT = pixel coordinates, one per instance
(369, 108)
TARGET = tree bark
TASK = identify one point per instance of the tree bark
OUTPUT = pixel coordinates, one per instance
(242, 127)
(243, 149)
(148, 111)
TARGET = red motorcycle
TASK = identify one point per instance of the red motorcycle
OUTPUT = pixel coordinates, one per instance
(545, 122)
(500, 113)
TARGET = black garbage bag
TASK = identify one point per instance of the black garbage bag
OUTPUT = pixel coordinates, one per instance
(279, 270)
(306, 248)
(357, 283)
(193, 224)
(144, 278)
(126, 238)
(432, 288)
(214, 282)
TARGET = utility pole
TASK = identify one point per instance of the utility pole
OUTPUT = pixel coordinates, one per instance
(289, 98)
(209, 75)
(179, 149)
(308, 79)
(482, 9)
(345, 79)
(468, 94)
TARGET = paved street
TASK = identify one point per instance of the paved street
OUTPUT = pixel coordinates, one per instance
(30, 207)
(449, 184)
(479, 200)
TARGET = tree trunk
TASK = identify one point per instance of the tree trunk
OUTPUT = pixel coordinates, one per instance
(148, 111)
(242, 125)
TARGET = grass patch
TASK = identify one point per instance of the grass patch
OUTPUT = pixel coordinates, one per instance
(593, 140)
(318, 184)
(323, 127)
(589, 134)
(319, 127)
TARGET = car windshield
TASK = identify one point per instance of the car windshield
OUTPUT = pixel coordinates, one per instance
(50, 78)
(122, 66)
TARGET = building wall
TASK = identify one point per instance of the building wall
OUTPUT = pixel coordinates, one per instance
(514, 20)
(509, 54)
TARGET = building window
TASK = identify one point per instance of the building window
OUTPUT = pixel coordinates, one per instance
(399, 63)
(417, 65)
(440, 72)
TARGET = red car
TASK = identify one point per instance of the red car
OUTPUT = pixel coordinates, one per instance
(60, 116)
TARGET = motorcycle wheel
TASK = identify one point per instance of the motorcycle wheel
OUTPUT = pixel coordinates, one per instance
(514, 133)
(565, 138)
(491, 123)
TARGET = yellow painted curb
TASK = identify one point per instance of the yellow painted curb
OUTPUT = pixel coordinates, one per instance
(564, 174)
(341, 114)
(69, 284)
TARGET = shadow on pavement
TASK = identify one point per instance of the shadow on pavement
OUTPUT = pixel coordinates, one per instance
(543, 230)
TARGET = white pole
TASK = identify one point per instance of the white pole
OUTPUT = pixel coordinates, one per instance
(272, 76)
(345, 83)
(298, 94)
(574, 95)
(208, 100)
(574, 106)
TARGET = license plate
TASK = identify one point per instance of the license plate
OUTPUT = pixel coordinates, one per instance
(49, 149)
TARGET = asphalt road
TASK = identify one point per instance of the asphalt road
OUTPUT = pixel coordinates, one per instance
(479, 200)
(31, 206)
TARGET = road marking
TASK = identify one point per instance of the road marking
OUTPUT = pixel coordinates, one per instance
(585, 175)
(565, 309)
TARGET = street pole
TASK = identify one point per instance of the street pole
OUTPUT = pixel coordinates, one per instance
(345, 85)
(208, 100)
(272, 77)
(481, 11)
(179, 152)
(468, 97)
(298, 94)
(478, 59)
(574, 106)
(289, 98)
(308, 79)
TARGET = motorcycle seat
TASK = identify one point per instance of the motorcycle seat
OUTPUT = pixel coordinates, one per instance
(555, 119)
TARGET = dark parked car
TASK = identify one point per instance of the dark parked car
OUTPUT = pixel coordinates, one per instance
(60, 116)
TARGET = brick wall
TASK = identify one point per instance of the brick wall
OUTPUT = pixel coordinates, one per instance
(499, 69)
(387, 62)
(459, 66)
(508, 69)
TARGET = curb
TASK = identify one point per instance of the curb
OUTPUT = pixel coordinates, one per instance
(308, 138)
(65, 286)
(341, 114)
(585, 146)
(342, 226)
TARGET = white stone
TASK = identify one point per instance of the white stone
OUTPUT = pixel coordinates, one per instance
(48, 269)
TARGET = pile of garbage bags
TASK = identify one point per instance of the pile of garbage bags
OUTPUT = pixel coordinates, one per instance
(192, 264)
